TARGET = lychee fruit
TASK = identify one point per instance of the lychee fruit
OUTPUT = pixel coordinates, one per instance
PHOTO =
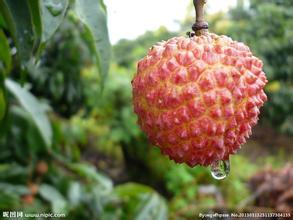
(197, 98)
(27, 199)
(41, 168)
(33, 188)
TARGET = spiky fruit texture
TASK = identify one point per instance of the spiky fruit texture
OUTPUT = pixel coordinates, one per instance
(198, 98)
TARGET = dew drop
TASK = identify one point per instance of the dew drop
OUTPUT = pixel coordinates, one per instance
(54, 8)
(220, 169)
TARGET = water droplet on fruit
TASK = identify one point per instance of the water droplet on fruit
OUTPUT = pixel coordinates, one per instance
(54, 8)
(220, 169)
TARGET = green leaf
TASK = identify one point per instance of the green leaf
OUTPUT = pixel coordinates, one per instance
(93, 15)
(141, 202)
(5, 66)
(74, 193)
(5, 57)
(34, 7)
(2, 103)
(18, 18)
(53, 12)
(15, 189)
(34, 108)
(90, 172)
(32, 22)
(52, 195)
(2, 22)
(8, 200)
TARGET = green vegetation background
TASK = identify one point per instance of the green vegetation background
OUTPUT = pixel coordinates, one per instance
(70, 146)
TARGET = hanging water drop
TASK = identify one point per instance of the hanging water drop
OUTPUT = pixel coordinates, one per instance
(54, 8)
(220, 169)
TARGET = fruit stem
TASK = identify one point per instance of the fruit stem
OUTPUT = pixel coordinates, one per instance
(200, 26)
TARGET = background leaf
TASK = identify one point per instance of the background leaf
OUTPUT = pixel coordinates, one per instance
(143, 202)
(5, 57)
(2, 102)
(17, 15)
(52, 195)
(93, 14)
(53, 13)
(34, 108)
(34, 7)
(16, 189)
(90, 172)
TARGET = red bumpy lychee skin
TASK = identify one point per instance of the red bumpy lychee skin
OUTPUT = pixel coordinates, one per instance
(197, 98)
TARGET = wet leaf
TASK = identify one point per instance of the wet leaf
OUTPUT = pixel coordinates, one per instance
(18, 18)
(53, 12)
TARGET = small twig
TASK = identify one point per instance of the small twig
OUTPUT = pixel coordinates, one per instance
(200, 26)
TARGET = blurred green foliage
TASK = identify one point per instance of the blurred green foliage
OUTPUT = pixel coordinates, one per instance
(61, 132)
(65, 91)
(136, 49)
(41, 163)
